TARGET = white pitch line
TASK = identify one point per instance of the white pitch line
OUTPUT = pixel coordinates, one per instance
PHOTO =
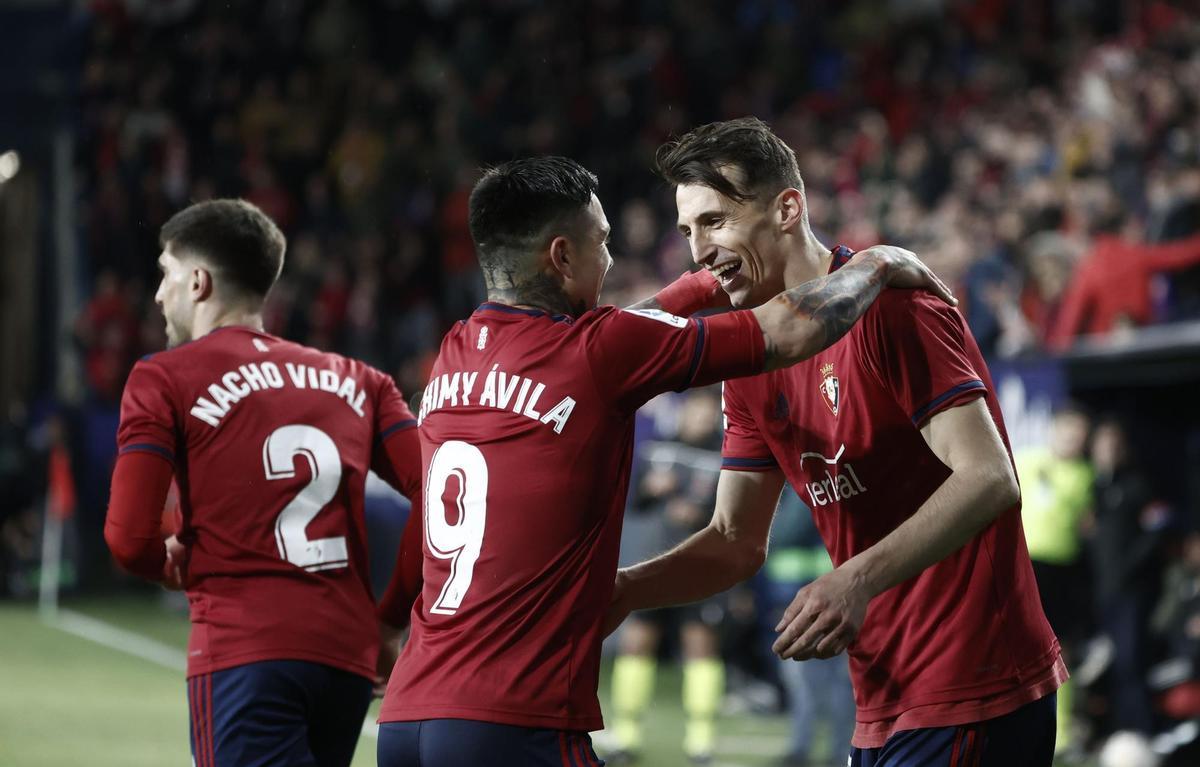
(119, 639)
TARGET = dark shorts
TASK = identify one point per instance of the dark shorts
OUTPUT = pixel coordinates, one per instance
(467, 743)
(281, 712)
(1025, 737)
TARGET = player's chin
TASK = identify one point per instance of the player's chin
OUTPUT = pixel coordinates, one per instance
(741, 296)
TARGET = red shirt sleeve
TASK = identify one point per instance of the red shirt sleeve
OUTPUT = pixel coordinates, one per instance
(399, 464)
(743, 448)
(133, 527)
(146, 441)
(397, 459)
(918, 347)
(148, 413)
(638, 354)
(692, 292)
(404, 451)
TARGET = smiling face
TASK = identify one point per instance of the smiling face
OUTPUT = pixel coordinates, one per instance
(740, 243)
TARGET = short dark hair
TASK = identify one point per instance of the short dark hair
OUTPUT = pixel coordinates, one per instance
(768, 166)
(240, 242)
(515, 203)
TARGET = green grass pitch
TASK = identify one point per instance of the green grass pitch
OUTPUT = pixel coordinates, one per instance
(66, 700)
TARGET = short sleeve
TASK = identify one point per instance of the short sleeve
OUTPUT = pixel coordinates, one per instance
(921, 350)
(148, 414)
(743, 448)
(397, 453)
(639, 354)
(391, 413)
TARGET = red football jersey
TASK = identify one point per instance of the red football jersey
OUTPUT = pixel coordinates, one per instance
(526, 436)
(271, 443)
(966, 639)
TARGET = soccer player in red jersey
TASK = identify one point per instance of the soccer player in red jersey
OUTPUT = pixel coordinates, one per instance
(526, 431)
(270, 443)
(893, 436)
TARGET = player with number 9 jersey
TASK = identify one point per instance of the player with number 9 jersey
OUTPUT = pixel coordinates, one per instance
(527, 435)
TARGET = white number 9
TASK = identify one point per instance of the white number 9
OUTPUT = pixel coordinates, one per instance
(460, 542)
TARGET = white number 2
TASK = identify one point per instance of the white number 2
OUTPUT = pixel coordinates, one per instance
(460, 542)
(279, 452)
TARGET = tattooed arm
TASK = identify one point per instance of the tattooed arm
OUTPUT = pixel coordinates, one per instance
(802, 321)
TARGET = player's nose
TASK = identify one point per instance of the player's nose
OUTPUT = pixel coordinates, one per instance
(703, 251)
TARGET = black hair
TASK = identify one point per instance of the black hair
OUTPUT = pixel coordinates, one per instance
(767, 165)
(515, 203)
(240, 242)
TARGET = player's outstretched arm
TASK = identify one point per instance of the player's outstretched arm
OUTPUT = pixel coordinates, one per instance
(731, 549)
(826, 615)
(802, 321)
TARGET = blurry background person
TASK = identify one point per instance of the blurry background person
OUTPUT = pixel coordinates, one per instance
(1056, 498)
(1127, 547)
(818, 689)
(674, 490)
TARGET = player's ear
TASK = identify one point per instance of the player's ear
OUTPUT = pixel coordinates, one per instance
(201, 288)
(562, 257)
(789, 208)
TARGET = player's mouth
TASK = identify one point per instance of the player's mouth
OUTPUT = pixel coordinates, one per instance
(727, 272)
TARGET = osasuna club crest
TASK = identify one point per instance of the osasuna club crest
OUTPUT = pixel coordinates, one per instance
(830, 388)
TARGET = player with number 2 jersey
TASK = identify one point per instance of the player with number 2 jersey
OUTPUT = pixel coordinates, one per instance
(270, 443)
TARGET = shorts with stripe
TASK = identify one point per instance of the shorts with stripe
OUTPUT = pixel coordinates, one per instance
(1024, 737)
(468, 743)
(297, 713)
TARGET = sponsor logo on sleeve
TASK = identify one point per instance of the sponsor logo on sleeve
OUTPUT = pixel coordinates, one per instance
(660, 316)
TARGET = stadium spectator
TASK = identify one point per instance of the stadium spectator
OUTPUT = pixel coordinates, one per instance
(1056, 502)
(674, 488)
(818, 689)
(1127, 544)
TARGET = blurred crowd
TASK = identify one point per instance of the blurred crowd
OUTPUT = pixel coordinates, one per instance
(1036, 154)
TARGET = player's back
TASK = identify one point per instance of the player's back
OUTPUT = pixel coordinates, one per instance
(272, 442)
(526, 435)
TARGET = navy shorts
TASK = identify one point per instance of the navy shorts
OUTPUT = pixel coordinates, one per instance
(1024, 737)
(279, 712)
(467, 743)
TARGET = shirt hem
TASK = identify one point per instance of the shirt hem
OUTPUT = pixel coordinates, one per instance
(195, 668)
(588, 723)
(950, 713)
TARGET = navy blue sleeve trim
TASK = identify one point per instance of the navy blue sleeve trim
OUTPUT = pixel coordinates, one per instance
(924, 412)
(697, 353)
(408, 423)
(748, 463)
(146, 447)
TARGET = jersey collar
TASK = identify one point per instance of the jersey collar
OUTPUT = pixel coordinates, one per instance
(492, 306)
(841, 254)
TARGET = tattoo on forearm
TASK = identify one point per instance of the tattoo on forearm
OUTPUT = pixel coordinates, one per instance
(834, 302)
